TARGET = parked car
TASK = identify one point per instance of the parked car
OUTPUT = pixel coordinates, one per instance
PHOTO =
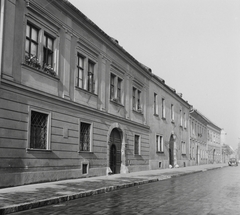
(232, 162)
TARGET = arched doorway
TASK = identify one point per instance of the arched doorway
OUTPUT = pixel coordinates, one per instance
(171, 151)
(197, 156)
(115, 151)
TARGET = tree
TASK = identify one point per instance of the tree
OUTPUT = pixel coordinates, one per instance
(227, 149)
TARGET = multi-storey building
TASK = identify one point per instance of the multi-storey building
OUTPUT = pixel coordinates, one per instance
(198, 138)
(73, 101)
(168, 121)
(214, 143)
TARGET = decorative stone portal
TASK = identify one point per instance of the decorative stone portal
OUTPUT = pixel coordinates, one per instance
(115, 144)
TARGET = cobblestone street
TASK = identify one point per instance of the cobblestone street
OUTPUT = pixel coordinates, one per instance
(215, 192)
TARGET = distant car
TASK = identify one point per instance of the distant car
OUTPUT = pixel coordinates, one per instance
(232, 162)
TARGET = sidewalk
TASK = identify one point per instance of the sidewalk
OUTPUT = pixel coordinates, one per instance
(37, 195)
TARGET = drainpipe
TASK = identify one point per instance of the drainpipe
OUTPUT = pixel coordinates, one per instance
(2, 9)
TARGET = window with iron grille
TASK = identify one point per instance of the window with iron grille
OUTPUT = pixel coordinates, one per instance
(85, 136)
(119, 89)
(31, 46)
(48, 50)
(134, 98)
(137, 145)
(39, 130)
(80, 71)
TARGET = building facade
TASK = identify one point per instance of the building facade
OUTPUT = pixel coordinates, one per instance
(74, 103)
(168, 121)
(198, 138)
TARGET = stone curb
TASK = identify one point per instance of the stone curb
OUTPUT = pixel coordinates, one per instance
(60, 199)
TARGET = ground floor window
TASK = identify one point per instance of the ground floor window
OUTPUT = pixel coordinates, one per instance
(85, 136)
(39, 130)
(137, 145)
(159, 142)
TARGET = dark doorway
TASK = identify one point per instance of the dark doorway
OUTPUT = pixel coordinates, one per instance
(171, 151)
(115, 151)
(170, 157)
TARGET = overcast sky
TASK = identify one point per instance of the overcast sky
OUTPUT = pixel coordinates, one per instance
(194, 45)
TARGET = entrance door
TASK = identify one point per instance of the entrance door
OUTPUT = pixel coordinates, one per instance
(171, 151)
(115, 151)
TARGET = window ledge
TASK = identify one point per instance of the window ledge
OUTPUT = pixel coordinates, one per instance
(85, 152)
(116, 102)
(85, 91)
(160, 152)
(37, 150)
(163, 118)
(40, 71)
(156, 115)
(138, 111)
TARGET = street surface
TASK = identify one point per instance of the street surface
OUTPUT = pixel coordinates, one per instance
(215, 192)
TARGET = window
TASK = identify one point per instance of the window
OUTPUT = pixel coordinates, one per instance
(85, 137)
(163, 109)
(137, 145)
(183, 147)
(136, 97)
(42, 59)
(181, 118)
(184, 120)
(39, 130)
(172, 112)
(48, 51)
(155, 104)
(159, 142)
(31, 46)
(90, 81)
(80, 71)
(115, 88)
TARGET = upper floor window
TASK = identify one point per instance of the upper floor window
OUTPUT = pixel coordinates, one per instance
(185, 120)
(36, 57)
(172, 112)
(163, 109)
(181, 118)
(115, 88)
(80, 71)
(159, 143)
(155, 104)
(136, 99)
(85, 74)
(48, 50)
(31, 46)
(137, 145)
(90, 82)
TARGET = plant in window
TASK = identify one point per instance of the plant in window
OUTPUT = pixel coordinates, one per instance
(32, 61)
(48, 69)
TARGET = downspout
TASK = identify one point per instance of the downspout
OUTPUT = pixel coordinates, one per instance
(1, 34)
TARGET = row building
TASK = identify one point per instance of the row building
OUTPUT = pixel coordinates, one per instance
(74, 103)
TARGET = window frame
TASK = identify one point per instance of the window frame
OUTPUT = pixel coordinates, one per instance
(163, 108)
(138, 150)
(90, 137)
(155, 104)
(159, 143)
(116, 89)
(29, 38)
(48, 138)
(183, 148)
(37, 62)
(136, 99)
(80, 68)
(172, 113)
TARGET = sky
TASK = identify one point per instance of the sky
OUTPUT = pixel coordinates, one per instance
(194, 45)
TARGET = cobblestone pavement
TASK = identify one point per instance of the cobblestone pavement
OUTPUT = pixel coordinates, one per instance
(116, 202)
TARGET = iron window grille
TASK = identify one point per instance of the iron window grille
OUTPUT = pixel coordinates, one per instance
(38, 134)
(136, 144)
(85, 136)
(159, 143)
